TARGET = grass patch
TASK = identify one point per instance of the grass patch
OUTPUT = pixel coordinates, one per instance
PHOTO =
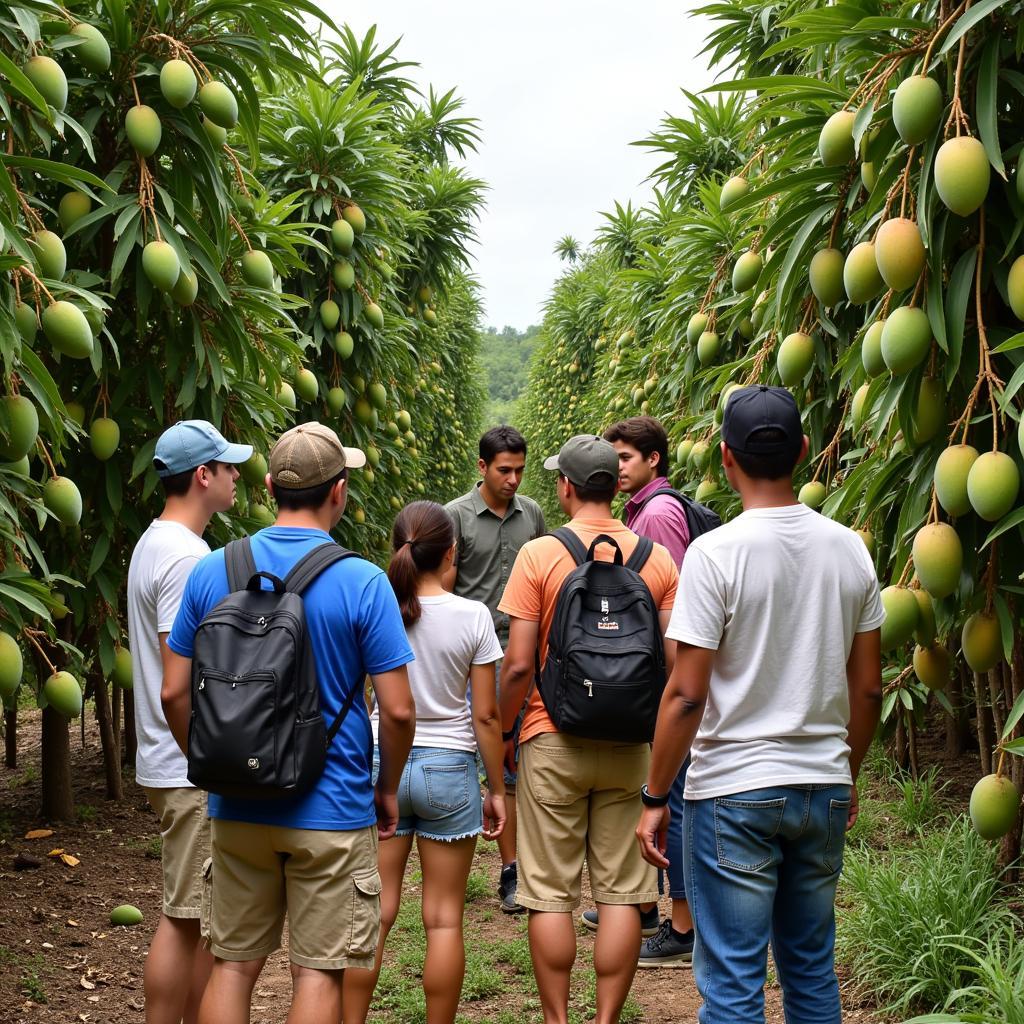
(478, 887)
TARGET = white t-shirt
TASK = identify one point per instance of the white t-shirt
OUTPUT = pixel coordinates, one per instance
(165, 555)
(451, 635)
(778, 593)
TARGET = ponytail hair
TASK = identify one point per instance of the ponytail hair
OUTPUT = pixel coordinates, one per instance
(422, 533)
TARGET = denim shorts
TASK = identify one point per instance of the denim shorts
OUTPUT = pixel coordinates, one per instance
(438, 795)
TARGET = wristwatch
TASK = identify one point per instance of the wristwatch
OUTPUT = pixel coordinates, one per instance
(652, 801)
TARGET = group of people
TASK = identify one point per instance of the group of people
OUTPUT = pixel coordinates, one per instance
(770, 629)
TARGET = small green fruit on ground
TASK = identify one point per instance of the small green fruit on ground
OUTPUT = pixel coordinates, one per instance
(143, 128)
(901, 616)
(746, 271)
(344, 344)
(254, 470)
(62, 497)
(994, 804)
(343, 275)
(121, 673)
(992, 485)
(899, 253)
(933, 666)
(19, 427)
(708, 345)
(257, 270)
(104, 437)
(374, 315)
(307, 387)
(826, 276)
(218, 103)
(286, 395)
(186, 288)
(336, 401)
(126, 914)
(1015, 287)
(951, 471)
(178, 83)
(962, 174)
(73, 206)
(330, 314)
(355, 217)
(925, 632)
(795, 358)
(12, 665)
(871, 349)
(982, 642)
(696, 327)
(938, 559)
(63, 693)
(342, 236)
(812, 494)
(835, 144)
(916, 108)
(94, 52)
(161, 265)
(732, 192)
(67, 329)
(49, 78)
(50, 254)
(906, 338)
(861, 278)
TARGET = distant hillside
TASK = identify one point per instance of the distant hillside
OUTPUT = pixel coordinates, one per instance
(505, 356)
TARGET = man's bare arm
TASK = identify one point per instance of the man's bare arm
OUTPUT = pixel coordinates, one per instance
(864, 681)
(176, 692)
(517, 668)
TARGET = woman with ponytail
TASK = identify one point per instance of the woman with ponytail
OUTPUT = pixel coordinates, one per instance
(439, 801)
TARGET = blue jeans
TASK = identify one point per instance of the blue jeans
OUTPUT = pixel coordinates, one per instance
(763, 865)
(674, 849)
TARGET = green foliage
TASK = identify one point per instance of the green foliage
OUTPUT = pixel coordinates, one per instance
(506, 356)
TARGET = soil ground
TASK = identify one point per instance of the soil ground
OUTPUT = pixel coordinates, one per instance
(62, 962)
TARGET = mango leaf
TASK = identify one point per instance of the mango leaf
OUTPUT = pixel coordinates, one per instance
(987, 100)
(1008, 522)
(1015, 715)
(1005, 625)
(966, 22)
(957, 297)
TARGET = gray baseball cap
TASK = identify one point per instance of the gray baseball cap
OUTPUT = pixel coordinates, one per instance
(586, 460)
(190, 443)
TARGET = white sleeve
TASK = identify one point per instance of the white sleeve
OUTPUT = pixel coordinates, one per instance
(698, 614)
(170, 588)
(488, 648)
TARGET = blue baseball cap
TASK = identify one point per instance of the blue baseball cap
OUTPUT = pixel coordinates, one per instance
(190, 443)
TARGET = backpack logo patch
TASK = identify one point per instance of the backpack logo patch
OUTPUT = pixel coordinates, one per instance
(254, 763)
(607, 624)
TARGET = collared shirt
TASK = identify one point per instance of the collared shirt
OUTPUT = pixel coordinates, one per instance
(663, 520)
(487, 545)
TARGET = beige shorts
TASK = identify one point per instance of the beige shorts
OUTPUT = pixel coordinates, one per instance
(577, 799)
(326, 882)
(185, 836)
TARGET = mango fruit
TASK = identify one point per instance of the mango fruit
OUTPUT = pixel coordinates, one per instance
(683, 450)
(696, 326)
(925, 632)
(161, 265)
(26, 321)
(700, 456)
(906, 338)
(344, 275)
(812, 494)
(143, 128)
(286, 395)
(704, 490)
(257, 270)
(938, 559)
(732, 192)
(218, 103)
(899, 253)
(330, 314)
(356, 218)
(795, 358)
(342, 236)
(992, 485)
(254, 470)
(178, 83)
(403, 420)
(378, 395)
(917, 108)
(1015, 287)
(67, 329)
(94, 52)
(708, 345)
(121, 674)
(995, 801)
(861, 278)
(950, 476)
(62, 497)
(73, 206)
(344, 344)
(336, 401)
(871, 349)
(50, 254)
(835, 143)
(826, 276)
(858, 407)
(186, 288)
(218, 136)
(929, 415)
(868, 538)
(374, 315)
(962, 174)
(982, 642)
(104, 437)
(901, 616)
(126, 915)
(261, 514)
(12, 665)
(63, 693)
(364, 412)
(430, 318)
(49, 78)
(307, 387)
(933, 666)
(19, 427)
(746, 271)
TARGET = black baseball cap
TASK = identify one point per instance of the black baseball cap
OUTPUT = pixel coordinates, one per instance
(753, 409)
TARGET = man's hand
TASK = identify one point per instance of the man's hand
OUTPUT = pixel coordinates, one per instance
(652, 834)
(510, 756)
(387, 812)
(494, 816)
(854, 811)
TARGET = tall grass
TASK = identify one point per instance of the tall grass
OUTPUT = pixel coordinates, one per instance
(911, 920)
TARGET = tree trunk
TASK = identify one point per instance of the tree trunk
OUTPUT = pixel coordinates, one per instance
(11, 738)
(111, 753)
(58, 802)
(901, 752)
(985, 740)
(115, 719)
(131, 742)
(958, 729)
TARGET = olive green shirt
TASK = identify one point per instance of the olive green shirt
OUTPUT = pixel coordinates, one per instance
(487, 545)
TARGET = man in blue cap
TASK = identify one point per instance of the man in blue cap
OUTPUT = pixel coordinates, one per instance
(776, 692)
(197, 469)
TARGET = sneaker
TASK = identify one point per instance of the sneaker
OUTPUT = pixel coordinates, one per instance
(666, 948)
(507, 890)
(648, 921)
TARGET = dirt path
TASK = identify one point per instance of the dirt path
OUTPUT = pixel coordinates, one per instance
(56, 943)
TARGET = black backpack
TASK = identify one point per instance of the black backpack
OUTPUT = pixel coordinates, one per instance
(605, 667)
(256, 729)
(699, 518)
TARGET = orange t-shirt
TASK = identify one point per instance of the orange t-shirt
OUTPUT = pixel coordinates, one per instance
(537, 576)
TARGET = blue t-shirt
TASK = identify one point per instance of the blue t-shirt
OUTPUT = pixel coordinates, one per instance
(355, 628)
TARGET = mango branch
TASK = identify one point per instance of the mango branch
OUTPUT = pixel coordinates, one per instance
(826, 455)
(940, 32)
(30, 634)
(956, 111)
(241, 231)
(37, 284)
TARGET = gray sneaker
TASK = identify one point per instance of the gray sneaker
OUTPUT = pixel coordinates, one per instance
(507, 890)
(648, 921)
(666, 949)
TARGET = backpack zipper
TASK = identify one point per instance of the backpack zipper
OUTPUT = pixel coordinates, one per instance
(589, 684)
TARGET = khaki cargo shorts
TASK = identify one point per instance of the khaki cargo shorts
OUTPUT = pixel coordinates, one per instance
(577, 799)
(185, 836)
(326, 882)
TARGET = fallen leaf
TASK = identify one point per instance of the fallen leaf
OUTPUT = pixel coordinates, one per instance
(72, 862)
(86, 983)
(72, 924)
(39, 833)
(56, 853)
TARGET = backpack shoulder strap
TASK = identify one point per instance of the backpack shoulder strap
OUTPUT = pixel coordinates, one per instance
(345, 708)
(571, 542)
(670, 491)
(239, 563)
(307, 568)
(641, 553)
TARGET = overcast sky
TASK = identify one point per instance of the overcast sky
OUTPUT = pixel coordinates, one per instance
(561, 88)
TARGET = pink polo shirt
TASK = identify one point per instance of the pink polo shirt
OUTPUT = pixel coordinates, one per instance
(663, 519)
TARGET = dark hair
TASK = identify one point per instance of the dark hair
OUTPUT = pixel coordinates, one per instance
(177, 486)
(501, 439)
(597, 494)
(646, 435)
(773, 466)
(422, 533)
(295, 499)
